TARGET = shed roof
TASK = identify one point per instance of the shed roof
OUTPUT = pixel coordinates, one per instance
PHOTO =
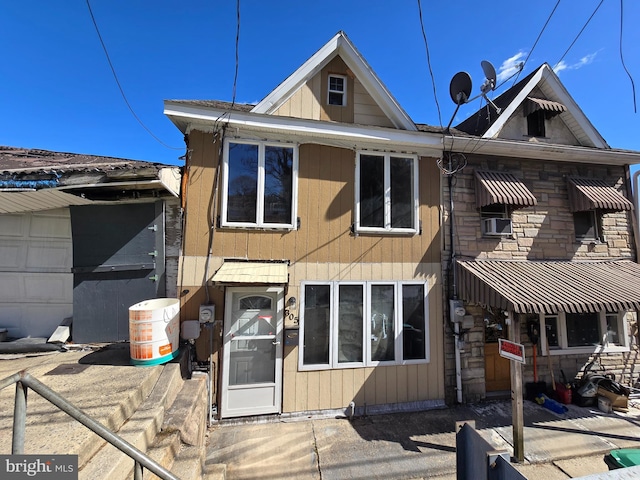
(594, 193)
(503, 188)
(257, 273)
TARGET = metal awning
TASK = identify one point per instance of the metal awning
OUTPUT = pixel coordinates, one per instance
(259, 273)
(37, 200)
(503, 188)
(550, 287)
(593, 193)
(551, 108)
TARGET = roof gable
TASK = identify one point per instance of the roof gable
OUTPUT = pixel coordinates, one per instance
(487, 123)
(341, 46)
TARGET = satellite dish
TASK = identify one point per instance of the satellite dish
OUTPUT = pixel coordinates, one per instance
(489, 83)
(460, 88)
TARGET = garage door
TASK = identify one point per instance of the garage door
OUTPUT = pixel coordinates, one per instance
(36, 284)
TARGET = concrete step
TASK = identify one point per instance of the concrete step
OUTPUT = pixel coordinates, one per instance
(180, 445)
(140, 429)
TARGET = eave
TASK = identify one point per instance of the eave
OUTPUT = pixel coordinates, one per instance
(188, 118)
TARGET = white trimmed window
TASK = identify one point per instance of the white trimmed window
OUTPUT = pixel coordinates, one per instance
(337, 94)
(386, 193)
(259, 184)
(584, 332)
(358, 324)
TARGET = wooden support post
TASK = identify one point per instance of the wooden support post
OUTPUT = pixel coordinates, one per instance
(517, 413)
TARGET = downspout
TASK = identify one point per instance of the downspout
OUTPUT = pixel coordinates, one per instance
(454, 285)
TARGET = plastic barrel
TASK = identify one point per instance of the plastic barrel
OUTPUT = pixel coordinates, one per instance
(154, 328)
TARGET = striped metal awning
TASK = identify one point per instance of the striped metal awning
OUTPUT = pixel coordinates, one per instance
(551, 108)
(257, 273)
(503, 188)
(593, 193)
(550, 287)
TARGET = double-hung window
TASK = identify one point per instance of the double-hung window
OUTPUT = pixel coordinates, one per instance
(337, 90)
(386, 193)
(356, 324)
(585, 332)
(260, 184)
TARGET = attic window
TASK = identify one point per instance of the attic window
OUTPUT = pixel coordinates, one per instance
(535, 124)
(537, 110)
(337, 90)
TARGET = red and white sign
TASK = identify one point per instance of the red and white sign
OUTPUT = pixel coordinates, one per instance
(511, 350)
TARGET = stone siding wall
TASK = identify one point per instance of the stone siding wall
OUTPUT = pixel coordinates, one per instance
(544, 231)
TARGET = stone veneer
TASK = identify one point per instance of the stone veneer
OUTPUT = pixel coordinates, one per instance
(542, 232)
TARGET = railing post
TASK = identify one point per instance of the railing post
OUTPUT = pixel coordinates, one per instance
(19, 419)
(137, 471)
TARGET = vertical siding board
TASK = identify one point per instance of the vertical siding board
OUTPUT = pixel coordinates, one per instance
(346, 205)
(381, 394)
(412, 383)
(324, 393)
(423, 381)
(402, 382)
(302, 392)
(359, 378)
(313, 391)
(313, 196)
(392, 384)
(348, 392)
(336, 389)
(370, 385)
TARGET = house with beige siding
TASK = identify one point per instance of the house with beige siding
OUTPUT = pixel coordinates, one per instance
(312, 245)
(540, 242)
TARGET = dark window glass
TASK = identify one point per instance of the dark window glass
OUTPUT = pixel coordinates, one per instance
(243, 183)
(371, 191)
(317, 314)
(613, 335)
(582, 329)
(255, 303)
(336, 84)
(382, 320)
(350, 323)
(278, 184)
(585, 225)
(535, 124)
(402, 193)
(551, 324)
(413, 323)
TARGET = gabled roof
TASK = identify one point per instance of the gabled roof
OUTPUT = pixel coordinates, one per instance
(487, 123)
(339, 45)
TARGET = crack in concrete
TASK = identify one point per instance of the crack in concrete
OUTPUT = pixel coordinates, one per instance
(315, 448)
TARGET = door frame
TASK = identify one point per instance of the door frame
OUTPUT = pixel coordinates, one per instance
(227, 411)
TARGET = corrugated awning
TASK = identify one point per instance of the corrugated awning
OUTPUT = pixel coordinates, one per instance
(503, 188)
(38, 200)
(592, 193)
(550, 287)
(551, 108)
(233, 272)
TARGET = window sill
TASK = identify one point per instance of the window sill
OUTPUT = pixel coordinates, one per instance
(383, 232)
(596, 349)
(261, 228)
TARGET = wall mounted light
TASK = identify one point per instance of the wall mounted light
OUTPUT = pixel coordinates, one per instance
(291, 303)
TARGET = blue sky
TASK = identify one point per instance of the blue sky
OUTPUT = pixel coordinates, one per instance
(57, 91)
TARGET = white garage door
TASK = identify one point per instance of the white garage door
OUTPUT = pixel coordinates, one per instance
(36, 283)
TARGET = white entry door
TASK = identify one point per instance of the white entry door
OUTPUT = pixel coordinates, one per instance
(252, 352)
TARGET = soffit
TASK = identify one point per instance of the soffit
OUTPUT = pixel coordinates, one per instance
(39, 200)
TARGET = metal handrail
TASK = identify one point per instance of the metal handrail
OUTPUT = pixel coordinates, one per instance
(24, 381)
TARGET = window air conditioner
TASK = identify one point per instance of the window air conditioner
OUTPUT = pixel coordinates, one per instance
(497, 226)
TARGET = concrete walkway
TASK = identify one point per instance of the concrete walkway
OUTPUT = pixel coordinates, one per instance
(419, 445)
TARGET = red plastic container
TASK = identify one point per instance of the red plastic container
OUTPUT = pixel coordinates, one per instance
(563, 393)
